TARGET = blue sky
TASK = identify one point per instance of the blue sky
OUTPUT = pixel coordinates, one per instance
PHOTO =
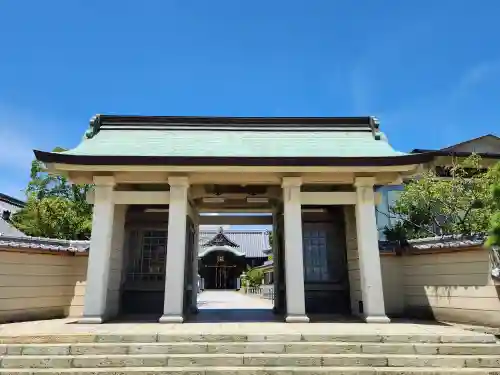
(430, 70)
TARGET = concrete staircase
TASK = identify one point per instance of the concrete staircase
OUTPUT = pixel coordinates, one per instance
(211, 354)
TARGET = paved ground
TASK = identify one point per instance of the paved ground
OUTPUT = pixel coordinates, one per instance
(229, 299)
(64, 327)
(229, 312)
(217, 306)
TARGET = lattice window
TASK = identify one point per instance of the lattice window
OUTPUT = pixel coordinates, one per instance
(148, 256)
(316, 264)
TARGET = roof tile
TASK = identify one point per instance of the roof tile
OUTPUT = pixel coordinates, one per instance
(251, 242)
(49, 244)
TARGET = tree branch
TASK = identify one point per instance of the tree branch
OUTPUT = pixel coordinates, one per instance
(400, 217)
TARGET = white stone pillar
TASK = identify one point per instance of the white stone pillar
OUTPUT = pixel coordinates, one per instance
(294, 263)
(369, 256)
(98, 267)
(176, 251)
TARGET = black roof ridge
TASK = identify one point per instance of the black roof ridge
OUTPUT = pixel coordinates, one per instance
(334, 120)
(215, 123)
(192, 123)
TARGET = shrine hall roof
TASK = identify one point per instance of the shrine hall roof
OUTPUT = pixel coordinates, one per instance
(292, 141)
(252, 243)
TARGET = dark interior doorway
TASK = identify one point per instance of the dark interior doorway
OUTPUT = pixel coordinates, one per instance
(326, 277)
(221, 270)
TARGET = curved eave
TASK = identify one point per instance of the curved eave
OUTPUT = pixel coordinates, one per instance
(296, 161)
(221, 248)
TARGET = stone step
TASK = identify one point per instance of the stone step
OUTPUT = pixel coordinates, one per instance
(258, 371)
(471, 337)
(250, 347)
(259, 360)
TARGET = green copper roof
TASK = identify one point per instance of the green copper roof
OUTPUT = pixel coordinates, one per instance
(207, 137)
(180, 139)
(232, 144)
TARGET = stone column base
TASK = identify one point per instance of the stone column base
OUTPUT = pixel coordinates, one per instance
(171, 319)
(297, 319)
(194, 310)
(91, 320)
(377, 319)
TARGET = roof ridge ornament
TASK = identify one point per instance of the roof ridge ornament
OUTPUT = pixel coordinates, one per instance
(220, 239)
(375, 123)
(95, 126)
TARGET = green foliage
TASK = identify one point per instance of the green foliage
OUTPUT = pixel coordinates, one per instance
(55, 208)
(494, 232)
(460, 204)
(254, 277)
(53, 217)
(270, 238)
(399, 232)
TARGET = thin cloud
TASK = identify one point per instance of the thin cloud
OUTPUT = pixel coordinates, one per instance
(20, 133)
(360, 90)
(17, 151)
(475, 76)
(14, 190)
(380, 55)
(443, 107)
(18, 141)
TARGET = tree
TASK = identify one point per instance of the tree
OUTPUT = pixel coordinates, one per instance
(494, 232)
(254, 277)
(270, 241)
(432, 206)
(270, 238)
(55, 208)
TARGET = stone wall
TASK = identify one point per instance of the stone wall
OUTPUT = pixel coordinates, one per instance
(446, 284)
(117, 261)
(451, 285)
(40, 285)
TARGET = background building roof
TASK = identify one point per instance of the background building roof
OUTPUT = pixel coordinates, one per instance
(11, 201)
(252, 243)
(487, 146)
(8, 206)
